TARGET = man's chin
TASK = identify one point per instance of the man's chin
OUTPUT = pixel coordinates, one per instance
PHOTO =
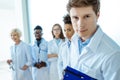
(38, 39)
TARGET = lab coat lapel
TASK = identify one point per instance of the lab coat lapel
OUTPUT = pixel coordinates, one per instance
(13, 53)
(54, 42)
(74, 53)
(67, 55)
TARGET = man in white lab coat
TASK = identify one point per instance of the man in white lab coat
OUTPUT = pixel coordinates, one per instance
(92, 51)
(39, 56)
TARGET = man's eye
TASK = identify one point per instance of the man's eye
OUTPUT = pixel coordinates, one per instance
(87, 16)
(64, 30)
(75, 18)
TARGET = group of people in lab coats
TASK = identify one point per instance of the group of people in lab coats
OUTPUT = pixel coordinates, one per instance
(85, 48)
(37, 61)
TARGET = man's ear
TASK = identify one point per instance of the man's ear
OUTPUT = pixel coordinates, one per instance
(98, 14)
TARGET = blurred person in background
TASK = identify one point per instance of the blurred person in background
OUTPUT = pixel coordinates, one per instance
(39, 55)
(64, 52)
(53, 50)
(21, 58)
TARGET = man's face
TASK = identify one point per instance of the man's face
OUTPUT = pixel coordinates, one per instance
(38, 33)
(84, 21)
(68, 30)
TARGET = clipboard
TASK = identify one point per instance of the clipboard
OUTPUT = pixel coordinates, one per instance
(73, 74)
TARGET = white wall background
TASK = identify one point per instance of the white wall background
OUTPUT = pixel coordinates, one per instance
(7, 21)
(109, 18)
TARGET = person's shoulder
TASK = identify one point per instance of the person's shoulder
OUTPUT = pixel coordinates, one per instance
(64, 44)
(51, 41)
(11, 46)
(75, 37)
(31, 43)
(63, 40)
(108, 47)
(25, 44)
(44, 40)
(109, 42)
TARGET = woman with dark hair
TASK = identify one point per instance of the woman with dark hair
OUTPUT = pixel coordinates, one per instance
(64, 51)
(53, 50)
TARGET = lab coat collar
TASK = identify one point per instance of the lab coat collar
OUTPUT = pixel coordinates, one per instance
(61, 40)
(95, 40)
(75, 37)
(35, 42)
(19, 43)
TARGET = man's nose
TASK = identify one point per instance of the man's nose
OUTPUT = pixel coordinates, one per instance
(80, 23)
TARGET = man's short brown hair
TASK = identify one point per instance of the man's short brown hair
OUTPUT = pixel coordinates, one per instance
(84, 3)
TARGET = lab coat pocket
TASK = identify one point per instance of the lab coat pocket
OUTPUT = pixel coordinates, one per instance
(89, 71)
(21, 74)
(43, 47)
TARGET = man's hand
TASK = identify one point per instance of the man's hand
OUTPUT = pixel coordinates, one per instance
(39, 65)
(9, 61)
(43, 64)
(24, 67)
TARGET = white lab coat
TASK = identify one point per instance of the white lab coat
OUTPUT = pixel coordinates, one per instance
(42, 73)
(99, 59)
(63, 58)
(53, 48)
(21, 56)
